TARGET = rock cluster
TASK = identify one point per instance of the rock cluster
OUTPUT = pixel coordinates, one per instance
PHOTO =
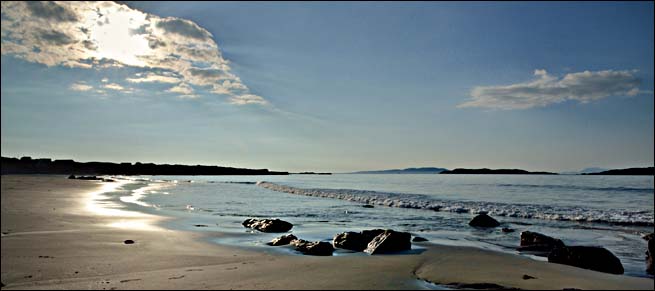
(373, 242)
(586, 257)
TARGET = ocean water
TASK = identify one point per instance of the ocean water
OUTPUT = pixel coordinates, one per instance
(609, 211)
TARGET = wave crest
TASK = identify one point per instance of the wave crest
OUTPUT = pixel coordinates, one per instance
(418, 201)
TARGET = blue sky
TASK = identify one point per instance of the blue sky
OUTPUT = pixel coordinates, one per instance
(332, 86)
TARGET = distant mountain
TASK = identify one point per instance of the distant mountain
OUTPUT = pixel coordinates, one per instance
(496, 171)
(427, 170)
(650, 171)
(585, 171)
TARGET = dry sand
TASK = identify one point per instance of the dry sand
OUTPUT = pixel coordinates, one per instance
(56, 237)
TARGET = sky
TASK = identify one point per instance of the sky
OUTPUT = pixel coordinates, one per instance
(328, 86)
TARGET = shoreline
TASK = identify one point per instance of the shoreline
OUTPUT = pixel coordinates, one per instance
(54, 242)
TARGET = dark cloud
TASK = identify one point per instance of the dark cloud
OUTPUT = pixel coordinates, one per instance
(206, 73)
(55, 37)
(155, 43)
(184, 28)
(90, 45)
(51, 11)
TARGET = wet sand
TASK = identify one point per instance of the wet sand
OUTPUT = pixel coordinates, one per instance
(55, 236)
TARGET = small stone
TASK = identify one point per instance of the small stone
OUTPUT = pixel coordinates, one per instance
(507, 229)
(528, 277)
(368, 206)
(128, 242)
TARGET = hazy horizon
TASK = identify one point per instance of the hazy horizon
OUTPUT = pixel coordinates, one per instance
(331, 87)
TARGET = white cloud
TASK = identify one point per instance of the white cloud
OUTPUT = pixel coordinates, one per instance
(152, 77)
(114, 86)
(109, 34)
(80, 87)
(247, 99)
(104, 80)
(182, 88)
(583, 87)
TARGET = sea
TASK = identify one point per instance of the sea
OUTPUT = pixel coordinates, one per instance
(609, 211)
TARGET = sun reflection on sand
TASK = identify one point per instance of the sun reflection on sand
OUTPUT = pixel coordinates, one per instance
(101, 205)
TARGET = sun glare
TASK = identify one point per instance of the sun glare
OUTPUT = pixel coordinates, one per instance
(117, 34)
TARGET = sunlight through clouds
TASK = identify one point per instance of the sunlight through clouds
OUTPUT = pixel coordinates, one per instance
(107, 34)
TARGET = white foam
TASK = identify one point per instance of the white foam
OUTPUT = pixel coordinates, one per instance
(417, 201)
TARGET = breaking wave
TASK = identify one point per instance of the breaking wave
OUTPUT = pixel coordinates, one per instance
(637, 217)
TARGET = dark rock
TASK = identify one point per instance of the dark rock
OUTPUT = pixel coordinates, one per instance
(200, 225)
(483, 220)
(507, 229)
(88, 178)
(283, 240)
(528, 277)
(419, 239)
(388, 242)
(648, 236)
(368, 206)
(108, 180)
(649, 256)
(248, 222)
(355, 241)
(317, 248)
(268, 225)
(128, 242)
(71, 177)
(592, 258)
(539, 243)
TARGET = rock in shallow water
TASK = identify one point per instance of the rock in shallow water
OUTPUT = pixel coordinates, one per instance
(592, 258)
(539, 243)
(507, 230)
(282, 241)
(355, 241)
(389, 242)
(483, 220)
(317, 248)
(268, 225)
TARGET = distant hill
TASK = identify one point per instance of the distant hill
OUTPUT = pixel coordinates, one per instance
(27, 165)
(427, 170)
(496, 171)
(650, 171)
(585, 171)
